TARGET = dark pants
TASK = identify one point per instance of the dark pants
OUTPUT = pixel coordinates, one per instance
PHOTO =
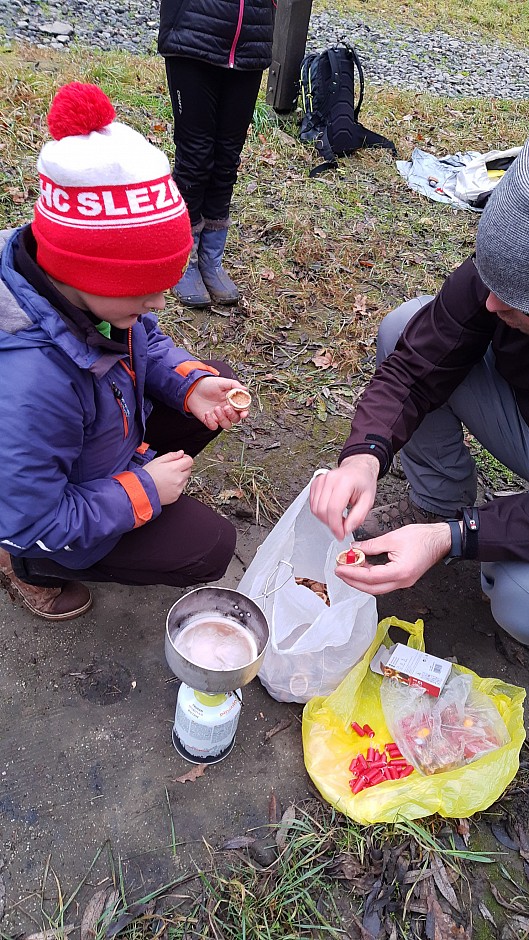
(188, 543)
(212, 109)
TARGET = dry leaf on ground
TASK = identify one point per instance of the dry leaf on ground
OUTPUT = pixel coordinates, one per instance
(274, 812)
(92, 915)
(323, 360)
(463, 826)
(440, 926)
(485, 913)
(225, 495)
(141, 909)
(360, 304)
(239, 842)
(443, 884)
(286, 821)
(197, 771)
(18, 196)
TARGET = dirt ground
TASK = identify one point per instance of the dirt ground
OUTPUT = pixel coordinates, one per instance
(86, 753)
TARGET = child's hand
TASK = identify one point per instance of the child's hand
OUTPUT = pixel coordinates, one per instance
(208, 403)
(170, 474)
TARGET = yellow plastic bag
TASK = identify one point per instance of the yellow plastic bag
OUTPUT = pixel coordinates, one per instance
(329, 745)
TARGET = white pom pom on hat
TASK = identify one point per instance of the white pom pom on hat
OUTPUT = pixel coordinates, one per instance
(110, 219)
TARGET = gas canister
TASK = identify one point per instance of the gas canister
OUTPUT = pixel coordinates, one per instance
(205, 724)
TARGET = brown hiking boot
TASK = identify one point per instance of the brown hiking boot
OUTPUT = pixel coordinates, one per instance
(394, 516)
(68, 600)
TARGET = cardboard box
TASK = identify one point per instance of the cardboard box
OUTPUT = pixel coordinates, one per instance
(414, 668)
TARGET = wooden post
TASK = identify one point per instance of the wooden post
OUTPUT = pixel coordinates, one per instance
(290, 38)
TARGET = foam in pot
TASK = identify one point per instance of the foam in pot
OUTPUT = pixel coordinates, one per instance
(216, 643)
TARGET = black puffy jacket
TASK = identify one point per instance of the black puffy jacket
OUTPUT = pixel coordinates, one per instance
(231, 33)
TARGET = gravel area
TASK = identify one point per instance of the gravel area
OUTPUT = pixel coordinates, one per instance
(395, 55)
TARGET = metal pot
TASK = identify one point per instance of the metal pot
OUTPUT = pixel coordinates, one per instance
(214, 601)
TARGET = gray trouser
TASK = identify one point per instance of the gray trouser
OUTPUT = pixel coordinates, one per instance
(442, 473)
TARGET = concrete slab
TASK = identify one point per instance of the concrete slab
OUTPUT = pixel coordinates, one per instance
(86, 753)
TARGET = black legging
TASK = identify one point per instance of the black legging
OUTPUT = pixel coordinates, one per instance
(212, 109)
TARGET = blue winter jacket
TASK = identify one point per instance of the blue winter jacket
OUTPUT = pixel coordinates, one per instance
(72, 417)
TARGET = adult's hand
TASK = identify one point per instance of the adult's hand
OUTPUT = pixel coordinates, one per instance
(170, 473)
(208, 403)
(411, 551)
(353, 484)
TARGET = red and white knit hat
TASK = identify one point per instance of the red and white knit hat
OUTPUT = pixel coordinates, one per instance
(110, 219)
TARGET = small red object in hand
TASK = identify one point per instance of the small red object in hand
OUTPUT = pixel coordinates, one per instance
(354, 556)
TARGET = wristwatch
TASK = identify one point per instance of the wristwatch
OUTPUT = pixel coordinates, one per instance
(470, 532)
(456, 547)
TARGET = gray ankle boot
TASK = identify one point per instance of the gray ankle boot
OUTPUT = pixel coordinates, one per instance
(191, 290)
(210, 251)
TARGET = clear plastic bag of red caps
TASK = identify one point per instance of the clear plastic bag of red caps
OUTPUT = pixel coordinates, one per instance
(444, 733)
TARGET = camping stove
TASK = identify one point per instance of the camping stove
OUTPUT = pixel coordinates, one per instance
(215, 641)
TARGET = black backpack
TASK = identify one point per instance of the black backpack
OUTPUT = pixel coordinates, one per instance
(330, 115)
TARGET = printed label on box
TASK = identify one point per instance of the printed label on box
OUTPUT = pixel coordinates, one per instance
(416, 668)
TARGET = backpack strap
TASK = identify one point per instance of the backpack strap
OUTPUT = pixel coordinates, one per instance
(324, 148)
(322, 167)
(361, 82)
(333, 86)
(367, 138)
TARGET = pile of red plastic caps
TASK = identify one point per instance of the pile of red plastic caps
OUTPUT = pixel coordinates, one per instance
(376, 766)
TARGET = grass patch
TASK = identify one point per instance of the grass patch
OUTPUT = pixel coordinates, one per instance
(503, 21)
(319, 261)
(311, 873)
(495, 477)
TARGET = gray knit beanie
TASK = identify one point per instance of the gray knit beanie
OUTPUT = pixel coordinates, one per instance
(502, 245)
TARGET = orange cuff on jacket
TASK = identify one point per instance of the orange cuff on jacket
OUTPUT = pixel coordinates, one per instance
(186, 367)
(191, 389)
(140, 501)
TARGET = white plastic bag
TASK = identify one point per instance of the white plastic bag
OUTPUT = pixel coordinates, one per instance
(478, 178)
(312, 646)
(461, 179)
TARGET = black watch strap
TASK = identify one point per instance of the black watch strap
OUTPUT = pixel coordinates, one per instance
(470, 532)
(456, 547)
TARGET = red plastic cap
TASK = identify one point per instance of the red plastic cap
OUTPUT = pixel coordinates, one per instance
(78, 109)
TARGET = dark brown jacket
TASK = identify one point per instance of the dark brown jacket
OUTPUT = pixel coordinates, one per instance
(438, 348)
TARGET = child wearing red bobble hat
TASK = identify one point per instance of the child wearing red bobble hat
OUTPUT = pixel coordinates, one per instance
(101, 413)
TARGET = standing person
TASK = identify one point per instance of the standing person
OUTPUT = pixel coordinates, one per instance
(459, 357)
(91, 388)
(215, 52)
